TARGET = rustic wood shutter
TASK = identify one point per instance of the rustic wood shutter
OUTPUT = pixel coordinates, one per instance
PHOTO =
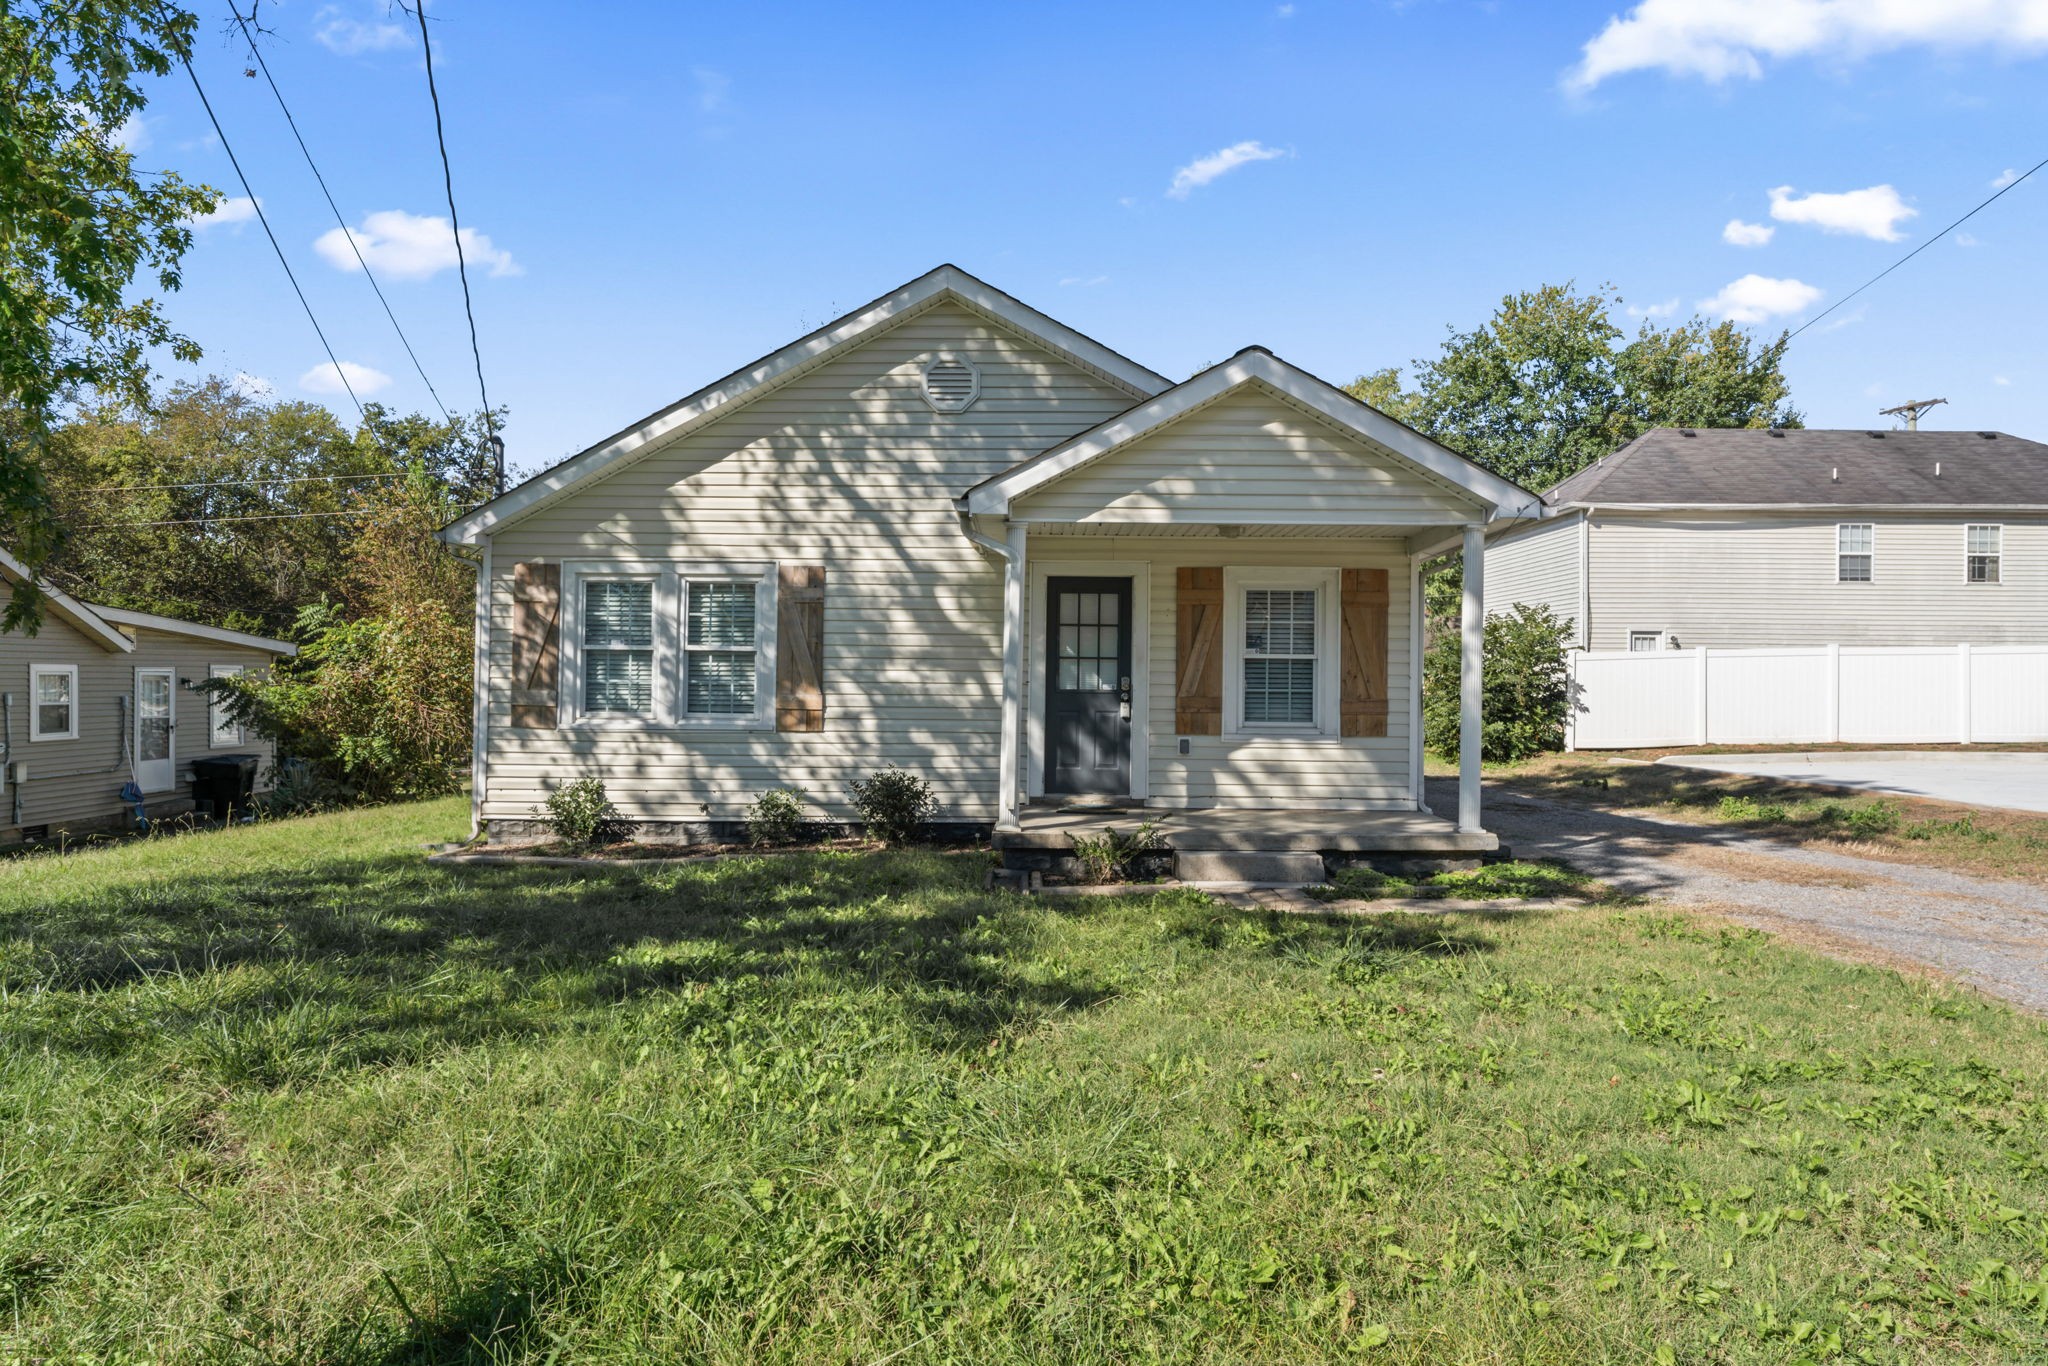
(1364, 688)
(800, 648)
(1198, 622)
(536, 645)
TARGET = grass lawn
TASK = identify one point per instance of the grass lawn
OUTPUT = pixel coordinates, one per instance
(290, 1094)
(1971, 839)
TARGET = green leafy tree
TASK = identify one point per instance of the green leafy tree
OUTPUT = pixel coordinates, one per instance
(78, 223)
(1526, 686)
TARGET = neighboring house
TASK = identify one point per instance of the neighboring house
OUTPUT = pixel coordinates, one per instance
(949, 533)
(100, 698)
(1738, 538)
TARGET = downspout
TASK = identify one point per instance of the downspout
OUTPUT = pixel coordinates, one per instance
(1011, 552)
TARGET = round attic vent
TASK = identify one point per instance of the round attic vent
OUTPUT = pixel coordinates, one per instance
(951, 384)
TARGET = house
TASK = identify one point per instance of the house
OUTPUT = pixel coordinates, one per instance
(950, 533)
(100, 698)
(1746, 538)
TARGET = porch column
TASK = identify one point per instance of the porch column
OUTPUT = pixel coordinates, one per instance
(1008, 766)
(1471, 655)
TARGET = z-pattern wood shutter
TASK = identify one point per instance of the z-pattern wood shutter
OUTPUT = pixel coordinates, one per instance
(800, 648)
(1364, 687)
(1198, 632)
(536, 643)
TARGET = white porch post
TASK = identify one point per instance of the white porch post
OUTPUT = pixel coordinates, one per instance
(1471, 655)
(1416, 627)
(1008, 767)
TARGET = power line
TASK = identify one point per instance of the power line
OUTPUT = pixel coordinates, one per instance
(1917, 250)
(242, 483)
(251, 517)
(403, 340)
(455, 226)
(264, 219)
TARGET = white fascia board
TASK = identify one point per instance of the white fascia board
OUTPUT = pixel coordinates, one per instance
(1500, 497)
(68, 609)
(149, 621)
(1803, 508)
(803, 354)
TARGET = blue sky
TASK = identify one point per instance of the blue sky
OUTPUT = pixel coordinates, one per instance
(664, 192)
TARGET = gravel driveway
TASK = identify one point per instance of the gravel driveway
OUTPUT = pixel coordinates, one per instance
(1991, 934)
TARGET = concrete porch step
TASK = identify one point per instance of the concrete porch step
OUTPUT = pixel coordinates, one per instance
(1247, 865)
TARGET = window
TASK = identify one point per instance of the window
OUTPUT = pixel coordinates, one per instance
(718, 649)
(1280, 672)
(1853, 554)
(618, 647)
(53, 701)
(1981, 551)
(221, 728)
(1642, 642)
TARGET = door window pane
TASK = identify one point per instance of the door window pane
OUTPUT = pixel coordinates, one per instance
(1090, 642)
(153, 717)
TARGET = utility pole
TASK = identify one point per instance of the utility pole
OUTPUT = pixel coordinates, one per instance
(1911, 411)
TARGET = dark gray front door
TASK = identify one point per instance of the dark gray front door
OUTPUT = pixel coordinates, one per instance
(1088, 686)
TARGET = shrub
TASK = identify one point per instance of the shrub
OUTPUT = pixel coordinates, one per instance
(582, 815)
(1739, 808)
(1113, 856)
(777, 816)
(893, 804)
(1526, 683)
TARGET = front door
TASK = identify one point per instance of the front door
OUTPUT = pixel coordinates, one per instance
(156, 763)
(1088, 686)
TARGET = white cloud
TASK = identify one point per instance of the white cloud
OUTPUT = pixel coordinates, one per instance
(231, 212)
(251, 386)
(1964, 239)
(712, 88)
(2000, 380)
(1741, 234)
(1284, 12)
(1875, 212)
(1085, 281)
(2005, 178)
(1717, 40)
(405, 246)
(348, 37)
(1663, 310)
(1759, 298)
(1202, 170)
(327, 379)
(132, 136)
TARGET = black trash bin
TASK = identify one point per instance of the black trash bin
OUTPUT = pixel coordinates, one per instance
(224, 783)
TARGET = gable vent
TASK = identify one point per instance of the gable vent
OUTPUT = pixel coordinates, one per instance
(951, 384)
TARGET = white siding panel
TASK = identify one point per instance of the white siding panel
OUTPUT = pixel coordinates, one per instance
(1538, 567)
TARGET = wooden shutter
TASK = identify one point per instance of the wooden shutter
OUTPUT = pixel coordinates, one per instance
(800, 648)
(1364, 688)
(1198, 630)
(536, 643)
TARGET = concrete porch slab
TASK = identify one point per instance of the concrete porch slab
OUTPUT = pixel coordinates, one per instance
(1243, 831)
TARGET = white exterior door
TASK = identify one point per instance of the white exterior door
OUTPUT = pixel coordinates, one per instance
(156, 758)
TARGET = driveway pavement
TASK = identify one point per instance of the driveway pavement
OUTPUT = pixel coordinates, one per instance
(2018, 781)
(1989, 933)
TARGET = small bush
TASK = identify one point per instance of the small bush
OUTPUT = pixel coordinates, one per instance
(1113, 856)
(1862, 818)
(297, 788)
(1750, 810)
(582, 815)
(1526, 683)
(777, 816)
(894, 805)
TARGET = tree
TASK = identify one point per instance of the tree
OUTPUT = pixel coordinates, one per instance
(78, 223)
(1524, 681)
(1546, 386)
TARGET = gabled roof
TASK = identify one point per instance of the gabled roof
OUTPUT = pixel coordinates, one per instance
(1255, 366)
(948, 282)
(121, 616)
(68, 609)
(1796, 467)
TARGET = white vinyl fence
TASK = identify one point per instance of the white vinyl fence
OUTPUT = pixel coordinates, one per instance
(1818, 694)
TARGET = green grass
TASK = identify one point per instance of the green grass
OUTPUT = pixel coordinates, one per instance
(1492, 882)
(289, 1094)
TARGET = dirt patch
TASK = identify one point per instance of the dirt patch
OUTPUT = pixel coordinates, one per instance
(1753, 867)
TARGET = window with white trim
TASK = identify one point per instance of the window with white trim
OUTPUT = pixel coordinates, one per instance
(1642, 642)
(1982, 546)
(720, 645)
(53, 701)
(618, 647)
(221, 728)
(690, 644)
(1854, 552)
(1280, 670)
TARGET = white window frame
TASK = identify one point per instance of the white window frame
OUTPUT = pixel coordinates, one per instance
(214, 718)
(1871, 555)
(671, 602)
(1998, 555)
(1236, 581)
(1661, 638)
(36, 674)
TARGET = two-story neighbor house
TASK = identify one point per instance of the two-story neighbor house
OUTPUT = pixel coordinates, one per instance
(1739, 538)
(950, 533)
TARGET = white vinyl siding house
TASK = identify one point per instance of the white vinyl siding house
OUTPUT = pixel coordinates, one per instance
(1543, 566)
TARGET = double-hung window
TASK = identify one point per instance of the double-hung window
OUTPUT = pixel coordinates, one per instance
(721, 630)
(53, 702)
(1854, 552)
(1281, 667)
(618, 647)
(1981, 549)
(670, 644)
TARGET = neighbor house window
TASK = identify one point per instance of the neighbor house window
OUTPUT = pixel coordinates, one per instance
(221, 727)
(53, 702)
(1982, 551)
(1853, 542)
(1642, 642)
(1280, 672)
(720, 648)
(618, 647)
